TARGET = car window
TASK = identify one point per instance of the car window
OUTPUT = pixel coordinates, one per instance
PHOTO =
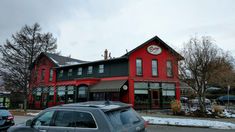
(84, 120)
(122, 118)
(64, 119)
(44, 119)
(4, 112)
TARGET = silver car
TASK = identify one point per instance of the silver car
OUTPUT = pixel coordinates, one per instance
(95, 116)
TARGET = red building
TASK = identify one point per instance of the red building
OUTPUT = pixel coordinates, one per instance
(146, 77)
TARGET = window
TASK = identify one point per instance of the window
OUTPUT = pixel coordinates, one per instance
(120, 118)
(44, 119)
(51, 94)
(61, 73)
(79, 71)
(154, 68)
(70, 94)
(84, 120)
(70, 72)
(169, 69)
(38, 94)
(74, 119)
(168, 94)
(64, 119)
(43, 74)
(101, 68)
(139, 71)
(61, 94)
(51, 75)
(82, 91)
(89, 71)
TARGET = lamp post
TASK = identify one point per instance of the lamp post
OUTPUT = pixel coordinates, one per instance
(228, 96)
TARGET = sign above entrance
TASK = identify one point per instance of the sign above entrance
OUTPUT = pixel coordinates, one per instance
(154, 49)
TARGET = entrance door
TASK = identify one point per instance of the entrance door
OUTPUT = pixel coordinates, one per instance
(155, 99)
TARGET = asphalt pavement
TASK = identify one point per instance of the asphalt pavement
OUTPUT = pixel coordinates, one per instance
(159, 128)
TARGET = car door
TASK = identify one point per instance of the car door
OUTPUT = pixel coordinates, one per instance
(63, 121)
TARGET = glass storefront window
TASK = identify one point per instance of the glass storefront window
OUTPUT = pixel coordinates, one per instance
(82, 92)
(140, 85)
(154, 85)
(141, 98)
(38, 94)
(61, 94)
(51, 94)
(70, 94)
(168, 93)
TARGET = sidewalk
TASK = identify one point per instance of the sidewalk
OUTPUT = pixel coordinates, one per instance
(166, 118)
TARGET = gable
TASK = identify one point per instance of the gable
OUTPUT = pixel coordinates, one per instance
(155, 43)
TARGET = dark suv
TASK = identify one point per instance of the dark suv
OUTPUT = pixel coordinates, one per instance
(98, 116)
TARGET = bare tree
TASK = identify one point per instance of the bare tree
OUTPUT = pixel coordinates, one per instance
(19, 52)
(204, 63)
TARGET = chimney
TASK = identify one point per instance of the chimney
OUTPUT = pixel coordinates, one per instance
(105, 54)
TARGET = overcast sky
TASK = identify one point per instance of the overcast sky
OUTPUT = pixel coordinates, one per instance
(85, 28)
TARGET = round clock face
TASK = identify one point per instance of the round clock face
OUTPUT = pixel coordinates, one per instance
(154, 49)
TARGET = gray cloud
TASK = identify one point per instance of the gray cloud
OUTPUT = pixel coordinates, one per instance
(85, 28)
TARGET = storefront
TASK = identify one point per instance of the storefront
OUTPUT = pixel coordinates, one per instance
(146, 77)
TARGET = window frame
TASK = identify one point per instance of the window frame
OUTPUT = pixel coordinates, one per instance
(61, 73)
(89, 69)
(171, 69)
(52, 124)
(137, 68)
(79, 71)
(51, 75)
(101, 68)
(70, 72)
(43, 74)
(155, 60)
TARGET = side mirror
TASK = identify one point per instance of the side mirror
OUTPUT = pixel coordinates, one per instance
(29, 122)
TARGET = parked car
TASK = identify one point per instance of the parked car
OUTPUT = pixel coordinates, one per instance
(224, 99)
(94, 116)
(6, 118)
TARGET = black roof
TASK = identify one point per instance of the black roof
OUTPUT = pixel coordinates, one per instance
(156, 38)
(98, 61)
(103, 105)
(62, 60)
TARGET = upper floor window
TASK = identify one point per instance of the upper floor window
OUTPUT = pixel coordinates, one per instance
(70, 72)
(139, 69)
(61, 73)
(101, 68)
(169, 68)
(90, 69)
(79, 71)
(43, 74)
(154, 68)
(51, 75)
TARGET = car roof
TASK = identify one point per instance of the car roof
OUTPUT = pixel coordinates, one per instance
(105, 106)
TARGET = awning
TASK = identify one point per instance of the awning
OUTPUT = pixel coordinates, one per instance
(108, 86)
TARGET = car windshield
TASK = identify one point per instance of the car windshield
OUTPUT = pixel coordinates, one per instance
(4, 112)
(121, 118)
